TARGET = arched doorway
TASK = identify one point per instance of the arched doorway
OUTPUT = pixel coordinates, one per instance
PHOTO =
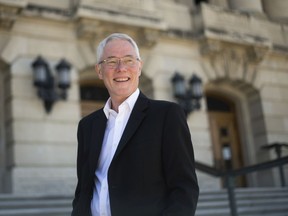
(242, 102)
(225, 133)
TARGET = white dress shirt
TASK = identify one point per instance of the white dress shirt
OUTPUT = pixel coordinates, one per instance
(100, 204)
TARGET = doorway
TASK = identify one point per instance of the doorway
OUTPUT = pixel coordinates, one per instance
(225, 134)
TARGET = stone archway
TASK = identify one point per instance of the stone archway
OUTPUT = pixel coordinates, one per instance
(250, 125)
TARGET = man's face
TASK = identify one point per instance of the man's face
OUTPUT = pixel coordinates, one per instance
(123, 79)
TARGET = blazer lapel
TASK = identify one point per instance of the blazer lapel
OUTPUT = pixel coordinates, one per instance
(97, 136)
(133, 123)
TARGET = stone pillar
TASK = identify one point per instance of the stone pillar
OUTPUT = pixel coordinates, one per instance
(246, 5)
(277, 9)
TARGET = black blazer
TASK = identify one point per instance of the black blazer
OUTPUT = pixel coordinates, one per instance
(152, 172)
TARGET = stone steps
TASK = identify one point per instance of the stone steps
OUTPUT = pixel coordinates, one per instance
(35, 205)
(250, 201)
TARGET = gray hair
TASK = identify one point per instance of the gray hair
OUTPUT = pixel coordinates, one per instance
(114, 36)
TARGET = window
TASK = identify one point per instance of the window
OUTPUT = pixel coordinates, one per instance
(93, 96)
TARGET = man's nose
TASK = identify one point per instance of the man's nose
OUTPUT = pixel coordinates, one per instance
(121, 65)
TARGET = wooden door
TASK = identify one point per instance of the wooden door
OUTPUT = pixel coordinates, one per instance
(224, 133)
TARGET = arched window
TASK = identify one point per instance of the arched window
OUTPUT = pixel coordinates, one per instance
(93, 96)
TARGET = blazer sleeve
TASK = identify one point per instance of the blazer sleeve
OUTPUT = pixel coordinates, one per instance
(179, 165)
(79, 162)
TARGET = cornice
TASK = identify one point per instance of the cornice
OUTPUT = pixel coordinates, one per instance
(243, 29)
(9, 11)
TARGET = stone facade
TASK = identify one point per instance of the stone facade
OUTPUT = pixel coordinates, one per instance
(238, 48)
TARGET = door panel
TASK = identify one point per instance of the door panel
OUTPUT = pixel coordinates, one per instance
(225, 134)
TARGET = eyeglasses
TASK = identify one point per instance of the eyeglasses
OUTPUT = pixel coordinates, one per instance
(114, 62)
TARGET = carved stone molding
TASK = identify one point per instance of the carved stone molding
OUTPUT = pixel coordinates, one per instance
(210, 47)
(256, 54)
(231, 62)
(92, 30)
(147, 37)
(9, 11)
(88, 28)
(213, 47)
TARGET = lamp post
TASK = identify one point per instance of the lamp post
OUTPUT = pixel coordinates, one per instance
(45, 82)
(189, 98)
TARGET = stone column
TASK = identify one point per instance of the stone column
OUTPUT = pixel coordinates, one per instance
(277, 9)
(246, 5)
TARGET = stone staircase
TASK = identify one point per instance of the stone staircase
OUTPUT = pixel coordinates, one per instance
(34, 205)
(250, 201)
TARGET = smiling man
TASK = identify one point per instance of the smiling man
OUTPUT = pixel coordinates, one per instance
(135, 155)
(119, 72)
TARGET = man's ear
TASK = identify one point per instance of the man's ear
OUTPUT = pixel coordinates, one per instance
(140, 68)
(98, 71)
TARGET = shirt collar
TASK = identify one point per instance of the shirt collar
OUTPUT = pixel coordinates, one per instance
(130, 101)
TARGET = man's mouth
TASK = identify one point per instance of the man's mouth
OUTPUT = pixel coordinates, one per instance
(121, 79)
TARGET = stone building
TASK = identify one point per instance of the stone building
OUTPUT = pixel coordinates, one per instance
(238, 48)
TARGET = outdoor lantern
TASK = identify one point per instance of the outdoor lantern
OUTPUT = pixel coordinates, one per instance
(189, 98)
(40, 72)
(63, 69)
(196, 87)
(178, 85)
(45, 82)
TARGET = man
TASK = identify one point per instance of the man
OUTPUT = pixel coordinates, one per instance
(135, 156)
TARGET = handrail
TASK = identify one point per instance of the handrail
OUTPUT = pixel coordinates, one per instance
(260, 166)
(241, 171)
(231, 174)
(208, 169)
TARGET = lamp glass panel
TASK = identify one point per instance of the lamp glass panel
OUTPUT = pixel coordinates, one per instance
(196, 89)
(40, 75)
(179, 88)
(63, 78)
